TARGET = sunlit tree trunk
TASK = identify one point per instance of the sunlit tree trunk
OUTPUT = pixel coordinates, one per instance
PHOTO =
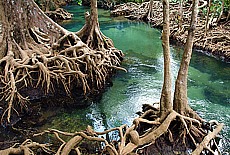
(165, 101)
(180, 102)
(180, 15)
(207, 18)
(150, 10)
(91, 34)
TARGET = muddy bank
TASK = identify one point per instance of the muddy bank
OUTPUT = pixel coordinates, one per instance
(68, 71)
(41, 102)
(213, 40)
(41, 111)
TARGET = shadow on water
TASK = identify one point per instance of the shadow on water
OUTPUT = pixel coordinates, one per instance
(208, 83)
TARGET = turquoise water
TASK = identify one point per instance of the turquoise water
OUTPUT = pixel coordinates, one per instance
(208, 83)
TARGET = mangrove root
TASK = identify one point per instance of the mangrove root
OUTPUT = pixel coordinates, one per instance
(43, 55)
(215, 39)
(132, 139)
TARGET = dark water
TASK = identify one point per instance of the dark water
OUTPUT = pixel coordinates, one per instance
(208, 86)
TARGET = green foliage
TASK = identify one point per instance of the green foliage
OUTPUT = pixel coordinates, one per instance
(79, 2)
(38, 2)
(52, 6)
(204, 11)
(216, 7)
(226, 5)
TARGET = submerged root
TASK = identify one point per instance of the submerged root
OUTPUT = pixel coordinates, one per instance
(133, 139)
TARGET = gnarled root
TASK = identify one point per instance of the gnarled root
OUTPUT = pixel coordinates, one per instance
(76, 62)
(205, 144)
(134, 139)
(50, 57)
(59, 14)
(91, 34)
(216, 40)
(26, 148)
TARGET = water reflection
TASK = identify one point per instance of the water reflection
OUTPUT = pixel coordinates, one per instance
(208, 83)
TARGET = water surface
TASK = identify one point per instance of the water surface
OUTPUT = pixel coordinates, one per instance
(208, 83)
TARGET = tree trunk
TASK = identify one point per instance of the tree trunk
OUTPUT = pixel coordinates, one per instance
(228, 15)
(165, 101)
(207, 18)
(91, 34)
(37, 53)
(221, 12)
(150, 11)
(180, 15)
(2, 41)
(180, 102)
(66, 57)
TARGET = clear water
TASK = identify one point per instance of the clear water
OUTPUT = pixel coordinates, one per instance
(208, 86)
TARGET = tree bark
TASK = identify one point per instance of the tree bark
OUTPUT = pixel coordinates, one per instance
(150, 11)
(91, 34)
(180, 102)
(180, 15)
(3, 25)
(165, 100)
(39, 54)
(207, 18)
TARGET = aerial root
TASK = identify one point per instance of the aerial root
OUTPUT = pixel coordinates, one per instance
(26, 148)
(45, 61)
(206, 141)
(216, 40)
(59, 14)
(133, 141)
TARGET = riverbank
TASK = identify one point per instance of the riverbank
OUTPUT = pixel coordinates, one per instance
(213, 39)
(142, 83)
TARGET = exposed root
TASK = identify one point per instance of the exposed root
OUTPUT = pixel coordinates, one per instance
(49, 55)
(50, 58)
(91, 34)
(59, 14)
(132, 140)
(214, 38)
(206, 141)
(26, 148)
(74, 62)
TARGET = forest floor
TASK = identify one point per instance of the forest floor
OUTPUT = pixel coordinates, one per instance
(213, 39)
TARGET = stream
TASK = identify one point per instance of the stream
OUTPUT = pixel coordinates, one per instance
(208, 82)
